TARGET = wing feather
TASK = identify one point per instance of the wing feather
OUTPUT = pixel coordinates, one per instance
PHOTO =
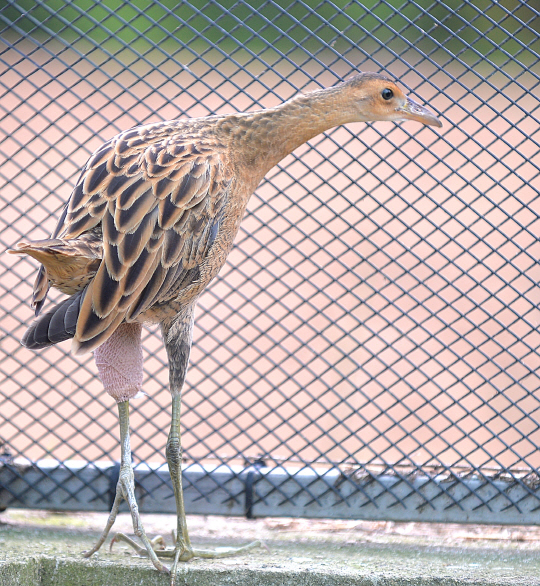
(133, 243)
(94, 177)
(107, 292)
(157, 195)
(160, 200)
(129, 218)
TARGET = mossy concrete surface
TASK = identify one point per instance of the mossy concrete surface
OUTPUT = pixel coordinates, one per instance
(46, 550)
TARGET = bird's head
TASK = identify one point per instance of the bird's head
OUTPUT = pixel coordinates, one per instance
(373, 96)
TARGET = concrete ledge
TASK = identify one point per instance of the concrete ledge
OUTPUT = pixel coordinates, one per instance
(31, 555)
(53, 571)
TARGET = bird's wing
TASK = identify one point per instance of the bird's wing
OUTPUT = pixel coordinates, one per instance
(158, 195)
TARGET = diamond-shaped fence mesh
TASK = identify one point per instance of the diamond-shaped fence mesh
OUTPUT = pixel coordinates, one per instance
(370, 348)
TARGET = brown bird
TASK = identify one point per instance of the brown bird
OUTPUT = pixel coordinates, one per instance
(150, 223)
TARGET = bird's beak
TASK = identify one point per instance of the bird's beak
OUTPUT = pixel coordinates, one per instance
(413, 111)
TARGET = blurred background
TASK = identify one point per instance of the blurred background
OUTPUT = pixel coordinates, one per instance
(377, 318)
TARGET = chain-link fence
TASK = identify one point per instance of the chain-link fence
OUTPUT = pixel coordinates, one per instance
(370, 349)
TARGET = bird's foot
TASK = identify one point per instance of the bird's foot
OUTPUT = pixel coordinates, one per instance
(182, 553)
(125, 489)
(222, 552)
(157, 543)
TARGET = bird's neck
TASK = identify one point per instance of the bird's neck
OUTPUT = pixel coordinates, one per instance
(265, 137)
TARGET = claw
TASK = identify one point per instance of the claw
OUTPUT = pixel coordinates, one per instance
(158, 543)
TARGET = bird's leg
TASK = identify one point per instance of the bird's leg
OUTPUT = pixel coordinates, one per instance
(183, 550)
(178, 343)
(125, 489)
(177, 337)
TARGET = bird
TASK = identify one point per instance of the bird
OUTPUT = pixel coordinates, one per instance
(150, 222)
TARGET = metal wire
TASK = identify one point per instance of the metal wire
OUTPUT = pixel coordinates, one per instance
(370, 348)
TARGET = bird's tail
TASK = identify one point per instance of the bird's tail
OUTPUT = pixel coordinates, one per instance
(57, 325)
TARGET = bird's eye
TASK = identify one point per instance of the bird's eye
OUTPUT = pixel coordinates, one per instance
(387, 94)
